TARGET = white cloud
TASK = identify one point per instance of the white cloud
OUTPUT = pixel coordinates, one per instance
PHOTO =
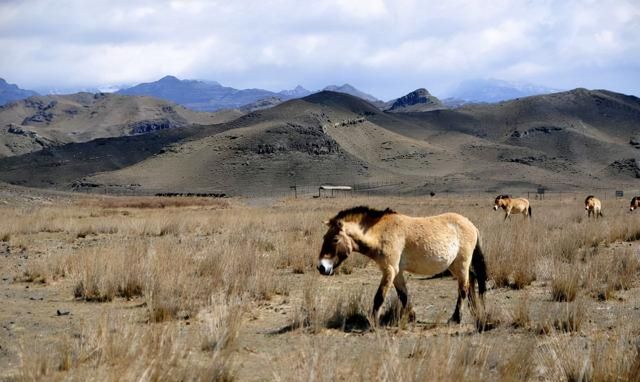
(384, 47)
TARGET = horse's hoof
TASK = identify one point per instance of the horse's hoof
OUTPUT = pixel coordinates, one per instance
(411, 316)
(454, 321)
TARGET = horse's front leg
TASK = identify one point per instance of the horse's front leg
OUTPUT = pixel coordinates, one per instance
(403, 295)
(388, 275)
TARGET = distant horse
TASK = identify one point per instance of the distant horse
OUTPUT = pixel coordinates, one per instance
(593, 206)
(635, 203)
(398, 243)
(512, 206)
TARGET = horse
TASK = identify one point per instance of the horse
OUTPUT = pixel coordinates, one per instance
(517, 206)
(399, 243)
(635, 203)
(593, 206)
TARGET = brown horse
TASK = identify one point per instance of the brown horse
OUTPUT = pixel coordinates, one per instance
(512, 206)
(398, 243)
(635, 203)
(593, 206)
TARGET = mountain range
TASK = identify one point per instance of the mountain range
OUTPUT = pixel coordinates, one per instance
(11, 92)
(574, 139)
(212, 96)
(492, 91)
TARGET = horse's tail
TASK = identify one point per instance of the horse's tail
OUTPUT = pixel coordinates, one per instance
(529, 211)
(479, 268)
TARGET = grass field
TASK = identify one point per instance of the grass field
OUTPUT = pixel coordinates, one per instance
(197, 289)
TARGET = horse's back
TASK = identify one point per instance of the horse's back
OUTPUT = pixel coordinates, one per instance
(447, 226)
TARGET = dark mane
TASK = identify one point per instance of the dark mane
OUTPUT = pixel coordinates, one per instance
(634, 199)
(503, 196)
(588, 197)
(362, 213)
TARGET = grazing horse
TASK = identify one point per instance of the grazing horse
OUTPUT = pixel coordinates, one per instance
(398, 243)
(635, 203)
(512, 206)
(593, 206)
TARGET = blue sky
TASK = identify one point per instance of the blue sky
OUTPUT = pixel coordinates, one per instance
(386, 48)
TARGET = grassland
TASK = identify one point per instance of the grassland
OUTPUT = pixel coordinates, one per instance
(194, 289)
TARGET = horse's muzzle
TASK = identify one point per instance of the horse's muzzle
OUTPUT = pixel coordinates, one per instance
(325, 267)
(495, 208)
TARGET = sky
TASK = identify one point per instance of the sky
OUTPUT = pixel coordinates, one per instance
(385, 48)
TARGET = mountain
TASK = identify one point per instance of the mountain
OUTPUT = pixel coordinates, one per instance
(348, 89)
(198, 95)
(10, 92)
(569, 140)
(297, 92)
(417, 101)
(43, 121)
(493, 90)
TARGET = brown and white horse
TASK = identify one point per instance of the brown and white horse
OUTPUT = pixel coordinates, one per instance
(512, 206)
(635, 203)
(399, 243)
(593, 206)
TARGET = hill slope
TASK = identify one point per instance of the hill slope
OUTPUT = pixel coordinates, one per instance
(579, 139)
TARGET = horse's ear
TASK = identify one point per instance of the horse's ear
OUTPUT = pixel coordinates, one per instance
(326, 222)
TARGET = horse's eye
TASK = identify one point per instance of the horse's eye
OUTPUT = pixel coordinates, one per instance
(335, 240)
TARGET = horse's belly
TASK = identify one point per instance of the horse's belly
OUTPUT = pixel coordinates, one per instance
(429, 262)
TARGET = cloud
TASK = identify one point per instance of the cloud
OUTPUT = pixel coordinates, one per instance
(386, 48)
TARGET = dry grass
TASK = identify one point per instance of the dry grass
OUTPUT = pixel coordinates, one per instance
(210, 262)
(141, 202)
(115, 348)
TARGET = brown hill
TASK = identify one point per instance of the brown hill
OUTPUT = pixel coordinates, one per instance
(44, 121)
(572, 139)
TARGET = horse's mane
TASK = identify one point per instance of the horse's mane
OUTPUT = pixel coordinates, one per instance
(634, 199)
(588, 197)
(503, 196)
(362, 213)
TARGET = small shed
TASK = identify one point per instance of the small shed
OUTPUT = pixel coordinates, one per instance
(334, 190)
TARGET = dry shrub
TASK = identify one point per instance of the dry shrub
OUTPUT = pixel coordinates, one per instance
(349, 314)
(566, 318)
(391, 358)
(608, 273)
(105, 273)
(518, 365)
(511, 252)
(520, 317)
(117, 349)
(615, 358)
(565, 283)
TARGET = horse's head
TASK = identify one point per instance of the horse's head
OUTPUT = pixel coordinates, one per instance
(336, 247)
(634, 203)
(588, 202)
(501, 202)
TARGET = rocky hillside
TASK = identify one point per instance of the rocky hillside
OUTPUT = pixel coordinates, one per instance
(416, 101)
(44, 121)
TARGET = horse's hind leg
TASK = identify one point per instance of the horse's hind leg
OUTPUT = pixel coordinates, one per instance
(463, 288)
(403, 295)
